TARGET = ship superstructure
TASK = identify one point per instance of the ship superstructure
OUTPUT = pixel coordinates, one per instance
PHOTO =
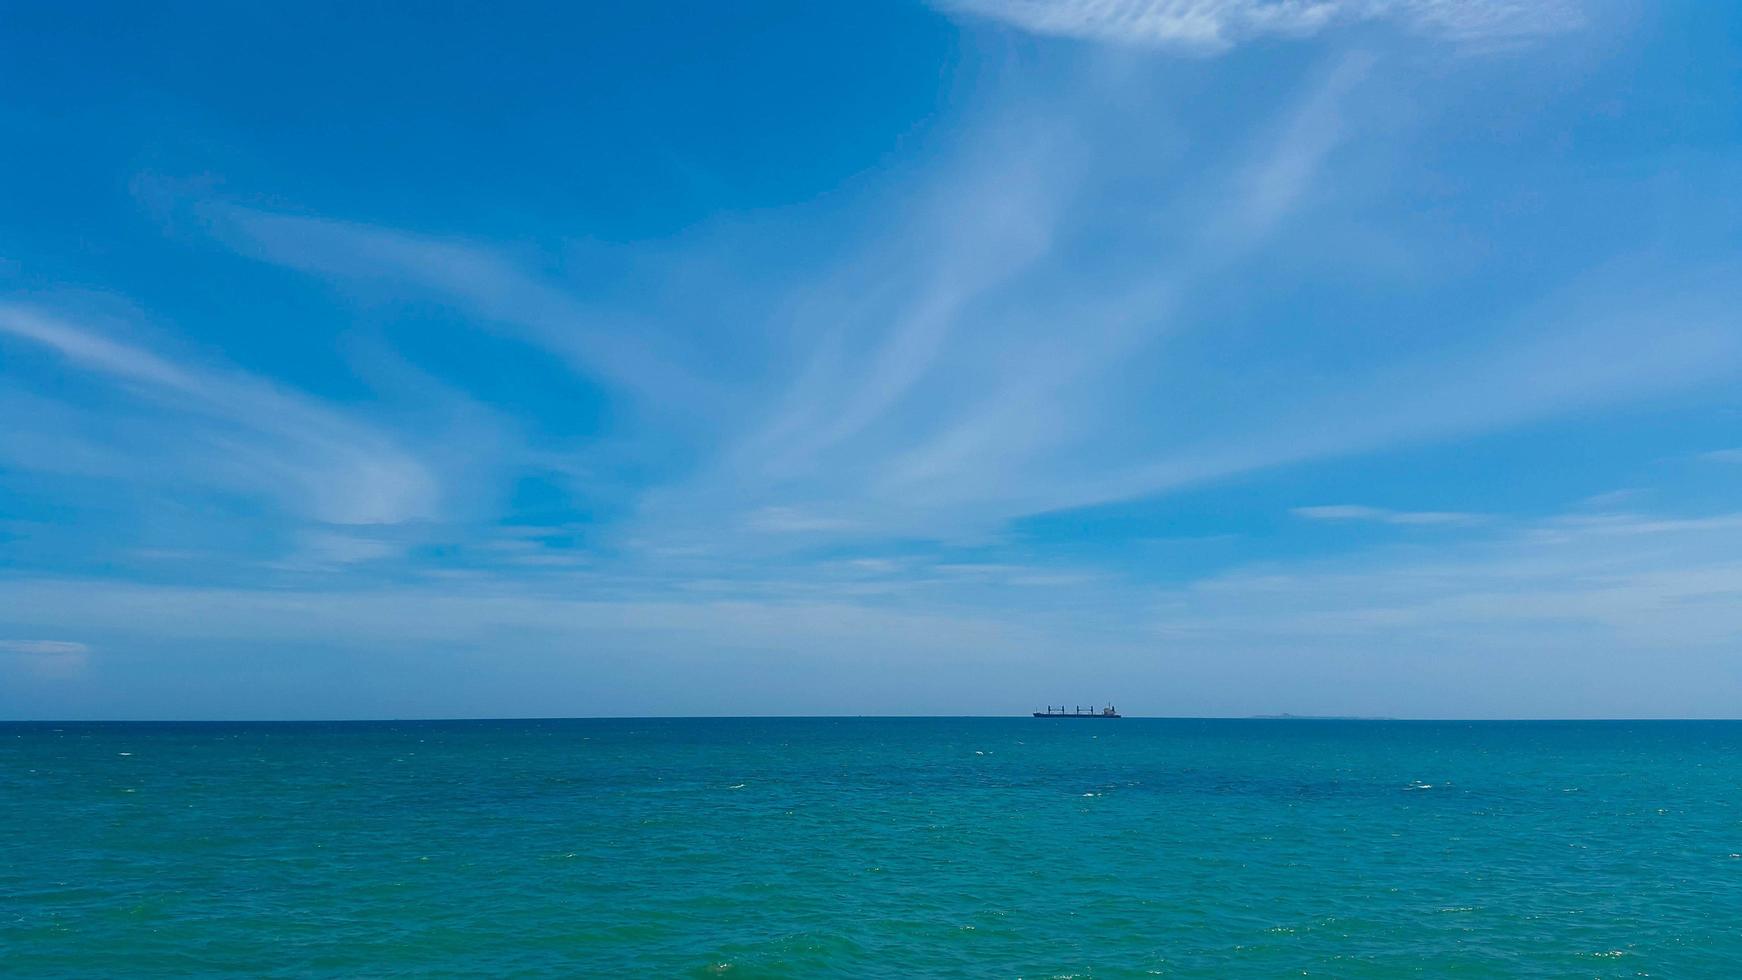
(1078, 712)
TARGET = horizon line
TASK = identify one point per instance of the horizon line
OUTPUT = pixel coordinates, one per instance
(848, 717)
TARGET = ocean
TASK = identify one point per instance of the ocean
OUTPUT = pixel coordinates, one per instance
(940, 847)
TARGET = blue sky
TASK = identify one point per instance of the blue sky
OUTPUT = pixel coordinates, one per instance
(1212, 356)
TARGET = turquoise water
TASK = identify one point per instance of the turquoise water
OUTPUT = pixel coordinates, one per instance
(872, 847)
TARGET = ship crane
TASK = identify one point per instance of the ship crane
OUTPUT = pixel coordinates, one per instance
(1077, 712)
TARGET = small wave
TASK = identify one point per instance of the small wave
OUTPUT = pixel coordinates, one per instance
(739, 786)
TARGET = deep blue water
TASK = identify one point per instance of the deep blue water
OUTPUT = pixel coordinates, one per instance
(872, 847)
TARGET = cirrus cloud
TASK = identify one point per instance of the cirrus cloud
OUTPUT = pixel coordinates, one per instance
(47, 658)
(1357, 512)
(1211, 26)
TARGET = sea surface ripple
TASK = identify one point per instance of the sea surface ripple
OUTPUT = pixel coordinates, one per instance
(872, 847)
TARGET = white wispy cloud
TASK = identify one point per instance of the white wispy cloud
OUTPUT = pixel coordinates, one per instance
(964, 367)
(1578, 349)
(1633, 525)
(792, 520)
(882, 329)
(1568, 616)
(1723, 455)
(1649, 580)
(1274, 182)
(1209, 26)
(982, 357)
(226, 428)
(1356, 512)
(709, 654)
(957, 394)
(44, 648)
(1481, 627)
(325, 548)
(610, 345)
(48, 659)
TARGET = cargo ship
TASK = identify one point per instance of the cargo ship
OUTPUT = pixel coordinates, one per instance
(1078, 712)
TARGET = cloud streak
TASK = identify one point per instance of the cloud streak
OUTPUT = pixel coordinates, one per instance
(47, 659)
(1642, 582)
(1004, 377)
(238, 431)
(1572, 616)
(44, 648)
(1214, 26)
(1357, 512)
(620, 350)
(965, 367)
(1478, 628)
